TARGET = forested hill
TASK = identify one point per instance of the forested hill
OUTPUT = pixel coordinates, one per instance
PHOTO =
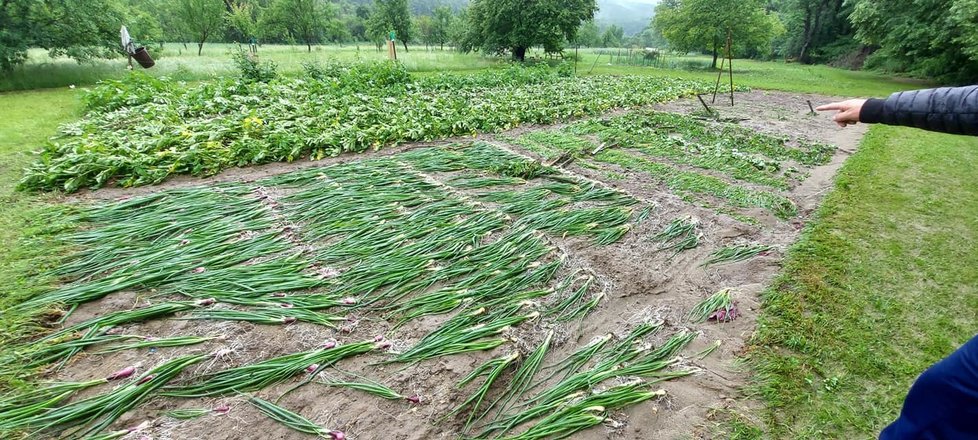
(632, 15)
(422, 7)
(425, 7)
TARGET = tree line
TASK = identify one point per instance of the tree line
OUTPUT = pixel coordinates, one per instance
(932, 38)
(85, 29)
(928, 38)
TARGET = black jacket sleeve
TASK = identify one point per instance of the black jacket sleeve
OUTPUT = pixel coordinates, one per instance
(947, 109)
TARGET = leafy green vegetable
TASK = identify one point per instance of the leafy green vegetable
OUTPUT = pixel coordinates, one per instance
(162, 129)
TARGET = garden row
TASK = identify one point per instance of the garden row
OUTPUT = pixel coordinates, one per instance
(707, 162)
(463, 231)
(141, 130)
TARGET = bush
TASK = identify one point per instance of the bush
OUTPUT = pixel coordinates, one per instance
(571, 57)
(361, 74)
(565, 69)
(253, 70)
(316, 70)
(136, 88)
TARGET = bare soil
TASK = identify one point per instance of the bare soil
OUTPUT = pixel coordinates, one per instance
(640, 283)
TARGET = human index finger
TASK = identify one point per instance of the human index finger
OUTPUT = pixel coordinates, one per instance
(832, 106)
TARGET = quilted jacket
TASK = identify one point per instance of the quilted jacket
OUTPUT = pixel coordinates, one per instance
(946, 109)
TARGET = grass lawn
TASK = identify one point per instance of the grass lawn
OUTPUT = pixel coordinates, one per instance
(43, 72)
(881, 286)
(27, 119)
(184, 64)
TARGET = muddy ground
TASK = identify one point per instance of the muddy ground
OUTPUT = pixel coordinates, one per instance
(640, 283)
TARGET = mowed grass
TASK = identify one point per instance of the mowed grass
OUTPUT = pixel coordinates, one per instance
(27, 119)
(184, 64)
(881, 286)
(174, 61)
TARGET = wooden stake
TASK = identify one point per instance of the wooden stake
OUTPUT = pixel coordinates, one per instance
(565, 159)
(719, 77)
(730, 63)
(576, 59)
(597, 57)
(708, 109)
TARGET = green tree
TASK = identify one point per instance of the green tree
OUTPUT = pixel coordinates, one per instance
(171, 26)
(425, 29)
(648, 38)
(816, 30)
(589, 35)
(305, 21)
(705, 24)
(458, 30)
(145, 26)
(497, 26)
(81, 29)
(356, 23)
(614, 36)
(243, 19)
(964, 16)
(428, 7)
(391, 15)
(925, 37)
(442, 25)
(200, 19)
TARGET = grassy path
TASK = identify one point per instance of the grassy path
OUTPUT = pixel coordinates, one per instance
(881, 286)
(27, 119)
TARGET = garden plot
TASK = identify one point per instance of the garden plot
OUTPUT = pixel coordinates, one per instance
(430, 292)
(143, 130)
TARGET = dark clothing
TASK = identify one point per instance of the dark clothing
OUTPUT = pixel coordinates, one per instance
(943, 402)
(947, 109)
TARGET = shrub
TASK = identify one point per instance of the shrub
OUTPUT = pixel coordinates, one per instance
(253, 70)
(136, 88)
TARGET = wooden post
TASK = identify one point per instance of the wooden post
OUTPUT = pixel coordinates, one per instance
(708, 109)
(730, 64)
(716, 88)
(597, 57)
(728, 60)
(392, 49)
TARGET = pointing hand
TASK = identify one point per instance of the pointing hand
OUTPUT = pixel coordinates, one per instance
(848, 111)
